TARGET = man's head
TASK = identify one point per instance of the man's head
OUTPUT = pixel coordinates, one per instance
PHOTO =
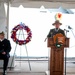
(2, 35)
(57, 24)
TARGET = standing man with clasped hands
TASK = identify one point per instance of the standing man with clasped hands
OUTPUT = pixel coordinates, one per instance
(5, 48)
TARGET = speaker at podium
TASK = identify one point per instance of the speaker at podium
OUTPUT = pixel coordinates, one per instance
(57, 45)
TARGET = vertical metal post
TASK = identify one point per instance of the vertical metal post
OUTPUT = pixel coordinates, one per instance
(66, 53)
(65, 59)
(8, 18)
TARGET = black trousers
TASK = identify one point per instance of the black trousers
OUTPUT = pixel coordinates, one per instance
(5, 59)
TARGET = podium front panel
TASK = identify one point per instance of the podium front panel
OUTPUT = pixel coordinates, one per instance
(56, 61)
(56, 57)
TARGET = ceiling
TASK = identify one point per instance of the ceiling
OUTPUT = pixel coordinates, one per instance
(39, 3)
(67, 1)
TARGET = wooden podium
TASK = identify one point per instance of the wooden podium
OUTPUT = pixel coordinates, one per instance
(57, 57)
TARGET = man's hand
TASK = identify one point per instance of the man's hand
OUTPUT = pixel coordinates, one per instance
(4, 53)
(45, 39)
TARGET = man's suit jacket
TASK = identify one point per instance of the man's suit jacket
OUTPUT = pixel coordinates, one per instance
(52, 32)
(5, 46)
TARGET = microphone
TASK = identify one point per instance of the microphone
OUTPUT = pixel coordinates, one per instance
(66, 30)
(69, 27)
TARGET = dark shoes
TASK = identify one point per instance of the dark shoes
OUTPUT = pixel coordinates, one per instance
(5, 73)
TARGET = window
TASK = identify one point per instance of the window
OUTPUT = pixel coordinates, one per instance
(40, 23)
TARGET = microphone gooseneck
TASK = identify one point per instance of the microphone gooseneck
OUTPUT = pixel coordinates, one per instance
(66, 30)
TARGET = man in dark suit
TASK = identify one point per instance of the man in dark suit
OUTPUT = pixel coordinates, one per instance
(5, 48)
(56, 30)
